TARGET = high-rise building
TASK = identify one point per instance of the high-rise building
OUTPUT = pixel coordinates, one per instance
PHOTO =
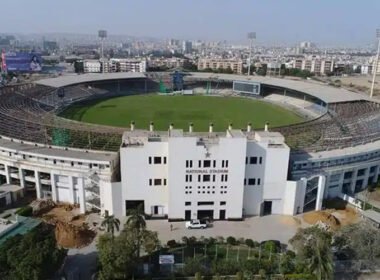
(187, 47)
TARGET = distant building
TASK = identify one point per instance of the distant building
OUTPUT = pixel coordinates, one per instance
(92, 66)
(50, 45)
(236, 65)
(114, 65)
(173, 62)
(187, 47)
(307, 45)
(316, 66)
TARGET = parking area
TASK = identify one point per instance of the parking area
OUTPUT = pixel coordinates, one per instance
(273, 227)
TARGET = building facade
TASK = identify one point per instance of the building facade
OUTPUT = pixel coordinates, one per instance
(316, 66)
(236, 65)
(220, 176)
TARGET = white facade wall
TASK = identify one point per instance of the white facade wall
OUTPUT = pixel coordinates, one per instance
(206, 175)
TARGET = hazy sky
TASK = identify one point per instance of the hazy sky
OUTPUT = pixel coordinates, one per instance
(275, 21)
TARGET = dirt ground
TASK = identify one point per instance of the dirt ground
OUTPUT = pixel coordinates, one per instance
(361, 83)
(334, 218)
(71, 229)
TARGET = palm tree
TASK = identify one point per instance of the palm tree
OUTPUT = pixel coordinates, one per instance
(321, 261)
(136, 218)
(111, 223)
(137, 222)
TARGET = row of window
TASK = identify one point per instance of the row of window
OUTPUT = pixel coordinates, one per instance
(252, 181)
(204, 187)
(207, 178)
(200, 203)
(157, 160)
(157, 182)
(72, 163)
(206, 163)
(205, 192)
(253, 160)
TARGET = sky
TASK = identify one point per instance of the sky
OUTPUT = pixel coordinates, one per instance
(327, 22)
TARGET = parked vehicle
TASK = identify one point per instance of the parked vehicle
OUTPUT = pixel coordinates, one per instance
(195, 224)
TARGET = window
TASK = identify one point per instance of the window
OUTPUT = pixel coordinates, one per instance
(164, 182)
(207, 163)
(187, 178)
(199, 177)
(222, 203)
(157, 182)
(199, 163)
(205, 203)
(258, 181)
(348, 175)
(253, 160)
(191, 178)
(213, 177)
(246, 160)
(164, 160)
(150, 160)
(245, 181)
(226, 163)
(206, 178)
(191, 164)
(187, 203)
(252, 181)
(261, 160)
(150, 182)
(214, 163)
(157, 160)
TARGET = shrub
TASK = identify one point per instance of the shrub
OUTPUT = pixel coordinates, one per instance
(299, 276)
(239, 276)
(231, 240)
(198, 276)
(25, 211)
(171, 243)
(250, 243)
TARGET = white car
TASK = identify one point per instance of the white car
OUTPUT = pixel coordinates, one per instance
(194, 224)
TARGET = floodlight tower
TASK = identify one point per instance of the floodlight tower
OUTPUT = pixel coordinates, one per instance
(251, 36)
(374, 68)
(102, 34)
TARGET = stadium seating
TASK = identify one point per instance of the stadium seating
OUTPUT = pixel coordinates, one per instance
(29, 112)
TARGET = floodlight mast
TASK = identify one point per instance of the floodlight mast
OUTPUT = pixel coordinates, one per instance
(251, 36)
(102, 34)
(374, 68)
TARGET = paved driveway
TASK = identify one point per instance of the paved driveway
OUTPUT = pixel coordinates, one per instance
(274, 227)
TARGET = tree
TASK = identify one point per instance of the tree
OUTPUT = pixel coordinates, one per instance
(118, 258)
(136, 222)
(313, 245)
(358, 241)
(111, 223)
(136, 218)
(31, 256)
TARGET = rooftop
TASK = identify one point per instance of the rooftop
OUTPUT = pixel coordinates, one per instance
(54, 152)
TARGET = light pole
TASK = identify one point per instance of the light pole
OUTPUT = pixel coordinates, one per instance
(374, 68)
(251, 36)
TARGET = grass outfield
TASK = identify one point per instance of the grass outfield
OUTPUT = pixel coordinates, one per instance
(181, 110)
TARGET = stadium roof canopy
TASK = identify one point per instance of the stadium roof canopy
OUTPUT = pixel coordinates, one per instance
(67, 80)
(327, 94)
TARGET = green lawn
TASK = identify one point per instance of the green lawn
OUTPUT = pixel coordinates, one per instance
(181, 110)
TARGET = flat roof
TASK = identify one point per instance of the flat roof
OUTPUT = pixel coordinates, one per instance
(326, 93)
(54, 152)
(337, 153)
(67, 80)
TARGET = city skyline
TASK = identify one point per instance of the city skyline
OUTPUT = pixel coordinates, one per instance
(274, 22)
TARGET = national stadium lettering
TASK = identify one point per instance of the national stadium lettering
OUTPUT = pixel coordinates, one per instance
(204, 171)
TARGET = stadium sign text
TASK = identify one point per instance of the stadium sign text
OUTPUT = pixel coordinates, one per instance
(205, 171)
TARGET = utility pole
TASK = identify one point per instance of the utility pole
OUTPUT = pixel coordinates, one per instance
(374, 68)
